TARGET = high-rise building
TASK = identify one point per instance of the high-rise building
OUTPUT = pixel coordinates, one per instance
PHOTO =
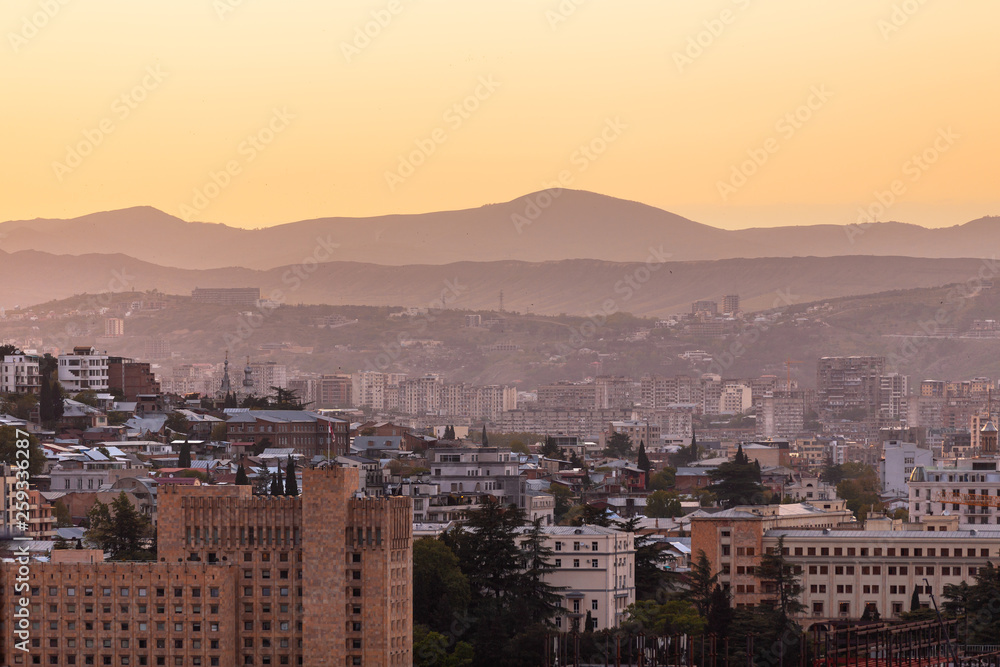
(19, 374)
(322, 579)
(114, 327)
(849, 383)
(731, 303)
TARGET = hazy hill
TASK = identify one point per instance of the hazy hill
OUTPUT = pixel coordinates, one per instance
(538, 227)
(570, 286)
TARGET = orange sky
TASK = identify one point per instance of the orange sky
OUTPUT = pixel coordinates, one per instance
(735, 113)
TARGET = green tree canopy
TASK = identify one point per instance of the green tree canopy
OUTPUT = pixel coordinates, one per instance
(618, 445)
(120, 530)
(440, 590)
(8, 450)
(663, 505)
(737, 482)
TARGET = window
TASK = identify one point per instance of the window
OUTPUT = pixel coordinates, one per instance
(576, 562)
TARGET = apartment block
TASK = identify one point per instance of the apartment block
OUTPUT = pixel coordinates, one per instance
(970, 491)
(595, 572)
(846, 383)
(898, 461)
(321, 579)
(19, 374)
(84, 369)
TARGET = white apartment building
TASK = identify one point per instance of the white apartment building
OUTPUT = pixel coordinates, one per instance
(595, 568)
(19, 374)
(470, 472)
(84, 369)
(971, 491)
(897, 464)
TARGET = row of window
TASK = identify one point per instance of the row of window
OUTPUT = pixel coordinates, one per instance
(577, 546)
(890, 552)
(576, 562)
(194, 661)
(123, 591)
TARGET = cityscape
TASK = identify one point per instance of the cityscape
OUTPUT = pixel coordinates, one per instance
(546, 333)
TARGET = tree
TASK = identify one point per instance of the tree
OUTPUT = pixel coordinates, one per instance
(259, 446)
(643, 463)
(550, 450)
(871, 614)
(860, 486)
(778, 578)
(663, 480)
(663, 504)
(184, 458)
(440, 590)
(737, 482)
(7, 349)
(649, 559)
(486, 440)
(663, 619)
(9, 448)
(563, 501)
(487, 548)
(50, 399)
(537, 600)
(286, 399)
(120, 529)
(229, 401)
(519, 447)
(177, 423)
(915, 600)
(430, 649)
(219, 432)
(291, 483)
(720, 611)
(276, 489)
(618, 445)
(701, 583)
(87, 397)
(241, 476)
(63, 518)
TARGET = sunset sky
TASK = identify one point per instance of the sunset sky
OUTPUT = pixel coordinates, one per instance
(117, 103)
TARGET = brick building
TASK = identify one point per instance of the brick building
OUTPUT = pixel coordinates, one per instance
(131, 378)
(308, 433)
(320, 579)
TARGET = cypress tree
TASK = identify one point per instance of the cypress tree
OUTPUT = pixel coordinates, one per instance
(291, 484)
(486, 440)
(276, 489)
(914, 600)
(643, 461)
(184, 458)
(241, 476)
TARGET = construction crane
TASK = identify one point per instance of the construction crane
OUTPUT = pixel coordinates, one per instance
(974, 499)
(788, 373)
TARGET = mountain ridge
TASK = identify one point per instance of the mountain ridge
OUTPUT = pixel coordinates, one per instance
(549, 225)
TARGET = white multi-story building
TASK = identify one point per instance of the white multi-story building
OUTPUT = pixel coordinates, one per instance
(970, 492)
(267, 374)
(19, 374)
(84, 369)
(735, 399)
(897, 464)
(468, 472)
(595, 572)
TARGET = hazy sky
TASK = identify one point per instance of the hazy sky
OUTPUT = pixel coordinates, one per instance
(253, 112)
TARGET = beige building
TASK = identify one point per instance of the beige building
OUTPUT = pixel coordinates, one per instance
(595, 569)
(970, 491)
(844, 571)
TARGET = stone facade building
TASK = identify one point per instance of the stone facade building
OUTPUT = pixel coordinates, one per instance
(320, 579)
